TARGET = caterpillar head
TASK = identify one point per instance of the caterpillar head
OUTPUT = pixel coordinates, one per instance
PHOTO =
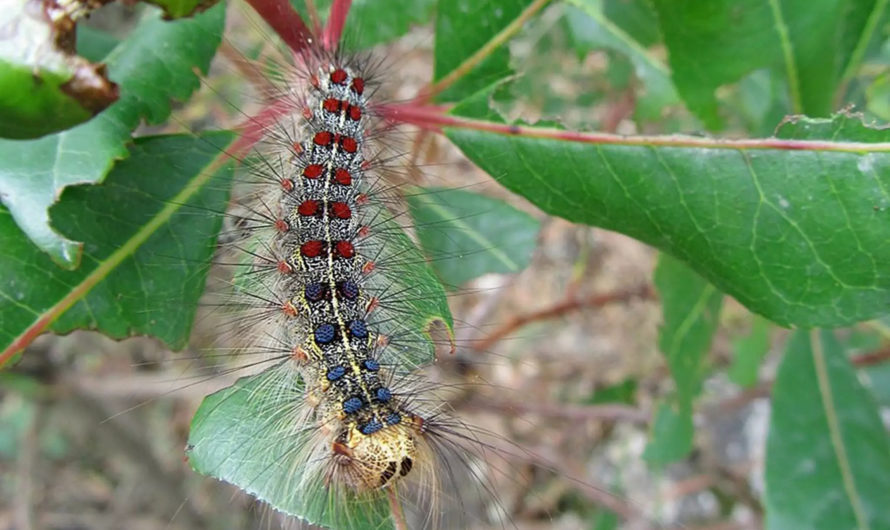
(370, 461)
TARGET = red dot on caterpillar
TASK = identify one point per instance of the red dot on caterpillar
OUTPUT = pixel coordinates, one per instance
(364, 231)
(349, 144)
(313, 80)
(345, 249)
(287, 185)
(342, 177)
(340, 210)
(307, 112)
(332, 105)
(311, 249)
(312, 171)
(322, 138)
(281, 225)
(361, 199)
(289, 309)
(366, 164)
(358, 85)
(382, 341)
(355, 113)
(297, 147)
(285, 268)
(339, 76)
(308, 207)
(368, 267)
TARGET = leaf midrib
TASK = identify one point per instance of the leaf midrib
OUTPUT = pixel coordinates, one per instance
(834, 430)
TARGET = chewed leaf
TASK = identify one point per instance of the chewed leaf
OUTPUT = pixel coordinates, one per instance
(747, 215)
(249, 436)
(35, 172)
(467, 235)
(43, 87)
(145, 255)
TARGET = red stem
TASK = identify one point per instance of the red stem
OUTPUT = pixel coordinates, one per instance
(285, 21)
(336, 21)
(435, 119)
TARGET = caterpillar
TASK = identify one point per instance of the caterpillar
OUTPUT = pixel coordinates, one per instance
(324, 256)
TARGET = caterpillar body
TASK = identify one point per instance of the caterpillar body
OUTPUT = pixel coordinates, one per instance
(374, 438)
(323, 295)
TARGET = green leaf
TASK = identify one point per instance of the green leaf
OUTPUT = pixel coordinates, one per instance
(373, 22)
(95, 44)
(245, 435)
(691, 312)
(749, 216)
(44, 86)
(634, 17)
(413, 300)
(145, 249)
(182, 8)
(591, 29)
(623, 392)
(811, 41)
(828, 453)
(463, 29)
(467, 235)
(748, 351)
(672, 432)
(33, 173)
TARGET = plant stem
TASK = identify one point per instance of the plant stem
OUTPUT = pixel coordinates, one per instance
(433, 118)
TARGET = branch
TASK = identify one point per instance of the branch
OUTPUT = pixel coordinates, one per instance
(567, 306)
(285, 21)
(334, 30)
(434, 118)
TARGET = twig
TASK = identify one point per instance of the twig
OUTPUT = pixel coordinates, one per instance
(573, 304)
(616, 412)
(764, 389)
(871, 358)
(285, 21)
